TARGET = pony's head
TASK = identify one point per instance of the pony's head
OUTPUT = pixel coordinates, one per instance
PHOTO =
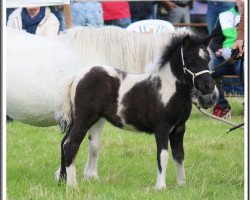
(195, 59)
(189, 59)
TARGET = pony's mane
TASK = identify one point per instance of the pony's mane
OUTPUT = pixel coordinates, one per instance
(170, 48)
(132, 51)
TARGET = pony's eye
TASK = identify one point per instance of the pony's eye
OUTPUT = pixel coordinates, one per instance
(192, 63)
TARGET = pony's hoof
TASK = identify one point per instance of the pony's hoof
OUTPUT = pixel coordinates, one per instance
(181, 183)
(57, 174)
(160, 186)
(90, 175)
(72, 183)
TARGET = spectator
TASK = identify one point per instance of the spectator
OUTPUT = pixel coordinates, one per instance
(35, 20)
(214, 8)
(141, 10)
(239, 43)
(87, 13)
(198, 15)
(58, 12)
(8, 12)
(116, 13)
(177, 11)
(225, 34)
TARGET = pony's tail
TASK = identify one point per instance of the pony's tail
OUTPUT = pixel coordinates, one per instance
(64, 111)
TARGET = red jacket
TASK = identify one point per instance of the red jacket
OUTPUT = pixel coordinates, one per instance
(115, 10)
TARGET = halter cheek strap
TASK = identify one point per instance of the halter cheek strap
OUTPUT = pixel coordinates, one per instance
(190, 72)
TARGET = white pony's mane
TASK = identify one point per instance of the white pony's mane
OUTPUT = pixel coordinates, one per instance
(116, 47)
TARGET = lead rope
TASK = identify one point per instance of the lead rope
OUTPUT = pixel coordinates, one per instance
(235, 125)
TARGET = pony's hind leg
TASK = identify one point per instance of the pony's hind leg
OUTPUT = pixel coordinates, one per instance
(60, 174)
(95, 132)
(70, 149)
(176, 142)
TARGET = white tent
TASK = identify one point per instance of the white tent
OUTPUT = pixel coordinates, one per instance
(33, 3)
(26, 3)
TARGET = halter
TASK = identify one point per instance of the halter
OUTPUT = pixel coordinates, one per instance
(187, 70)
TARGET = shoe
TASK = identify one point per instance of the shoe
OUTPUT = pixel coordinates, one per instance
(226, 113)
(217, 111)
(9, 119)
(221, 112)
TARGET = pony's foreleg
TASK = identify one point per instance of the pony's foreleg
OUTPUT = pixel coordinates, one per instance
(95, 132)
(162, 157)
(176, 142)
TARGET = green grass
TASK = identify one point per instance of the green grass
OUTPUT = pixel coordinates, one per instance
(214, 163)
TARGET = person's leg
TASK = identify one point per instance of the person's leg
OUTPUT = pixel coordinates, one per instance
(174, 15)
(186, 14)
(212, 15)
(222, 107)
(78, 14)
(94, 14)
(59, 15)
(135, 19)
(123, 23)
(236, 88)
(8, 12)
(214, 8)
(151, 16)
(155, 11)
(199, 18)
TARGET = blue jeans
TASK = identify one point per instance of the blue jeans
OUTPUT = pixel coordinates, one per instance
(60, 16)
(135, 19)
(8, 12)
(230, 69)
(123, 23)
(214, 8)
(178, 15)
(87, 13)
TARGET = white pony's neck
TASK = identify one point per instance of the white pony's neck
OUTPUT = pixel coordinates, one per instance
(116, 47)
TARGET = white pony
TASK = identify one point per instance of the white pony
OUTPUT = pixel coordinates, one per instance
(36, 64)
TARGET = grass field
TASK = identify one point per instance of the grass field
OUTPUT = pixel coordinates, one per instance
(214, 163)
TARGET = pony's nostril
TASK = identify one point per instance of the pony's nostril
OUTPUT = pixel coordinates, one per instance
(209, 88)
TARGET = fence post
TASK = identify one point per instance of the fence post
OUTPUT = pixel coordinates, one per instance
(67, 13)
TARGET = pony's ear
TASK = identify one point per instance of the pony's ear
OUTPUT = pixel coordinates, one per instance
(186, 41)
(205, 41)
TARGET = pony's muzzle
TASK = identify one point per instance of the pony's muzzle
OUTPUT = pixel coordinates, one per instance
(208, 100)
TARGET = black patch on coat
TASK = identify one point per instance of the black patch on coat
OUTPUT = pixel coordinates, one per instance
(180, 104)
(144, 109)
(97, 96)
(141, 103)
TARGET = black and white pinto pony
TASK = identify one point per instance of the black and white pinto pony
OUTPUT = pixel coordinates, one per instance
(157, 102)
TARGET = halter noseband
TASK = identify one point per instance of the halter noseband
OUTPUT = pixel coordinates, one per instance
(187, 70)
